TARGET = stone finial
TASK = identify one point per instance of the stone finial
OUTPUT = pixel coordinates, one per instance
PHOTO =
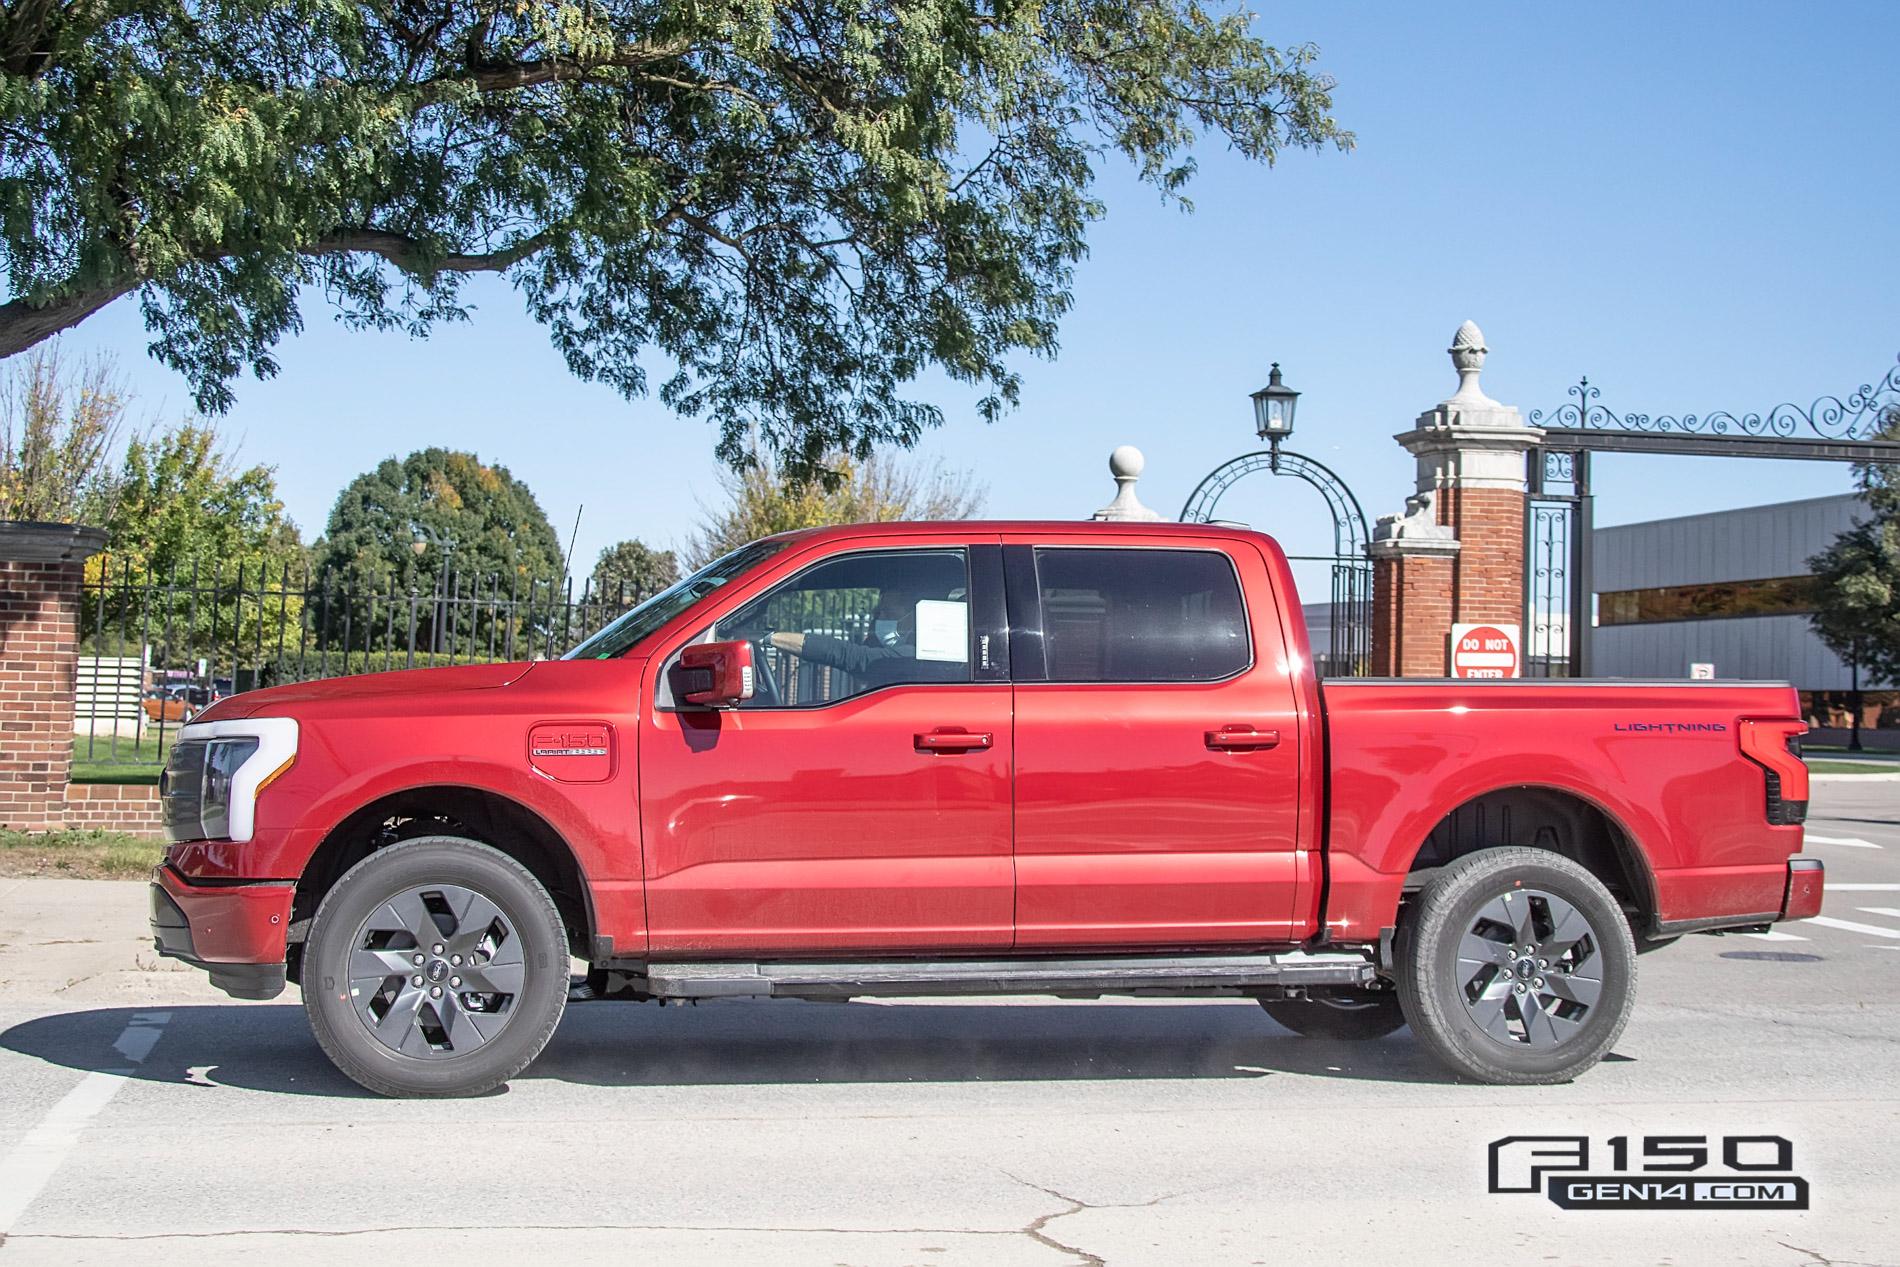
(1126, 464)
(1467, 357)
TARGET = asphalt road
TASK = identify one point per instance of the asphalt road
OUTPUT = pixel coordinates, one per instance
(143, 1115)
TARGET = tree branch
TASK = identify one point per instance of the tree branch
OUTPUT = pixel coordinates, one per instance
(409, 254)
(24, 324)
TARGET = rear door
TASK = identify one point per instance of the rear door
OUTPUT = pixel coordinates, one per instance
(1157, 745)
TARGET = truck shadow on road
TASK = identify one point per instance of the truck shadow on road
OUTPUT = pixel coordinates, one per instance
(270, 1048)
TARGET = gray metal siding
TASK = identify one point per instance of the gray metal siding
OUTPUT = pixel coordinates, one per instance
(1732, 545)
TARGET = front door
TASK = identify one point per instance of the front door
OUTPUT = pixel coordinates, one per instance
(861, 800)
(1157, 747)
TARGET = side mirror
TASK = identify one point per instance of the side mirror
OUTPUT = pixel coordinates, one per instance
(714, 674)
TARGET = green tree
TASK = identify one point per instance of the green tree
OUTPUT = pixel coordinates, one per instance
(634, 570)
(1857, 579)
(796, 209)
(59, 425)
(763, 499)
(200, 560)
(440, 509)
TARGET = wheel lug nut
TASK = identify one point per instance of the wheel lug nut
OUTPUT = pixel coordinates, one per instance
(435, 992)
(1518, 988)
(1539, 983)
(438, 948)
(1543, 963)
(418, 961)
(418, 979)
(455, 959)
(455, 981)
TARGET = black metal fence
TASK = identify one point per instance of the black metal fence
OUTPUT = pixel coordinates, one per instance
(156, 650)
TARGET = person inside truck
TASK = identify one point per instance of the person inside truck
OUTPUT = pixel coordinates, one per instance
(860, 616)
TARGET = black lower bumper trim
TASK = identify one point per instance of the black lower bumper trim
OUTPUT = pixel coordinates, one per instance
(171, 937)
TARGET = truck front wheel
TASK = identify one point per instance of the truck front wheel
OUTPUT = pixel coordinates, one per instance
(435, 967)
(1516, 966)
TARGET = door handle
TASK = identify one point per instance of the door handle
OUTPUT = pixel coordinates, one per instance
(1242, 738)
(952, 741)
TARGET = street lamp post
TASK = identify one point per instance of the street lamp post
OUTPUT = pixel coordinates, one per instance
(424, 535)
(1273, 407)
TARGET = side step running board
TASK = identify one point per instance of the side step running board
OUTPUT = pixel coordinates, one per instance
(1125, 974)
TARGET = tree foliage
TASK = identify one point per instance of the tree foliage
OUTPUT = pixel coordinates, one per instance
(193, 536)
(763, 499)
(1857, 579)
(59, 425)
(633, 570)
(790, 209)
(472, 519)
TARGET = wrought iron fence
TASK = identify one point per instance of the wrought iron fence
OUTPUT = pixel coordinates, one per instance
(155, 650)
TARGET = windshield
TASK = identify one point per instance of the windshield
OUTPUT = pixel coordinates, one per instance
(668, 603)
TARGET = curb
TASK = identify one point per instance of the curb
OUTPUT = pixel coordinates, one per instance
(1854, 778)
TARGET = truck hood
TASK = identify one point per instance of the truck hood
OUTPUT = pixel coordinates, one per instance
(361, 686)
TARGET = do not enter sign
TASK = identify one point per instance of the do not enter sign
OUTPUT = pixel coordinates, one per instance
(1484, 651)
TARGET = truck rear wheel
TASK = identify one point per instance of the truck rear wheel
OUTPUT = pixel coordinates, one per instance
(1516, 966)
(435, 967)
(1358, 1016)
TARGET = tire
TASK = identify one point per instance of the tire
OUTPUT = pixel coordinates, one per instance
(1356, 1017)
(1462, 987)
(493, 923)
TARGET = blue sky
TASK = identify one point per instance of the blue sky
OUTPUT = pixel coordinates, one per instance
(1695, 205)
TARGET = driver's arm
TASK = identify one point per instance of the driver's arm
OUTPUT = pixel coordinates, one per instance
(835, 652)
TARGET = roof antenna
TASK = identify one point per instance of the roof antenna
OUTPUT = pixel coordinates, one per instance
(568, 558)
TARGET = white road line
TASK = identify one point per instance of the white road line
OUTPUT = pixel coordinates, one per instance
(1849, 926)
(25, 1172)
(1893, 912)
(1850, 842)
(1832, 887)
(1774, 935)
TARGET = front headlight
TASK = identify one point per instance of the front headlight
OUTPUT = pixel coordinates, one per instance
(210, 786)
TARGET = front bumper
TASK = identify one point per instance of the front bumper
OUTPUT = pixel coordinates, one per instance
(235, 932)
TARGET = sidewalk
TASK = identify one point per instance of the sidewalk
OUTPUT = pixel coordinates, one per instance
(85, 942)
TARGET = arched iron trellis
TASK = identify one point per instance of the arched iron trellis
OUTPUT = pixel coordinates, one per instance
(1349, 640)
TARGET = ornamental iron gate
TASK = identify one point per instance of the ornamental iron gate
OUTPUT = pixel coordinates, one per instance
(1349, 635)
(1559, 597)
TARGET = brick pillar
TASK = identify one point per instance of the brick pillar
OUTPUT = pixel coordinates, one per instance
(1414, 565)
(1456, 556)
(41, 569)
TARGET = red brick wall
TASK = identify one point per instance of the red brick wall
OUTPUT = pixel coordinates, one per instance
(39, 623)
(1411, 615)
(1487, 583)
(126, 807)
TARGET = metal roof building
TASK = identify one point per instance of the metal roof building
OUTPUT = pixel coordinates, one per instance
(1730, 589)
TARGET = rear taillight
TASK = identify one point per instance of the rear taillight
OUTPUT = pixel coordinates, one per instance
(1775, 746)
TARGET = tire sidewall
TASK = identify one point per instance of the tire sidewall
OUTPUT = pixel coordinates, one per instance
(437, 860)
(1458, 1037)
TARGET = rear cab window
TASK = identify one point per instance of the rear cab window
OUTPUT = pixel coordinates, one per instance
(1141, 614)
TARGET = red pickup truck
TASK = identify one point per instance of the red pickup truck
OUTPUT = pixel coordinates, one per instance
(925, 759)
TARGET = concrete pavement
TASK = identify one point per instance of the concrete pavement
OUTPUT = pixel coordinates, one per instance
(160, 1120)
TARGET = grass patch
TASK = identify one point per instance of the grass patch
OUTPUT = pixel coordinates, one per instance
(78, 855)
(1853, 767)
(96, 761)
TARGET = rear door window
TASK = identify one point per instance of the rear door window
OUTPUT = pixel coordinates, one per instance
(1136, 615)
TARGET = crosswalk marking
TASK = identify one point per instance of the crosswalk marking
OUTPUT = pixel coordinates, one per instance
(1774, 935)
(1849, 926)
(1849, 842)
(1892, 912)
(1832, 887)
